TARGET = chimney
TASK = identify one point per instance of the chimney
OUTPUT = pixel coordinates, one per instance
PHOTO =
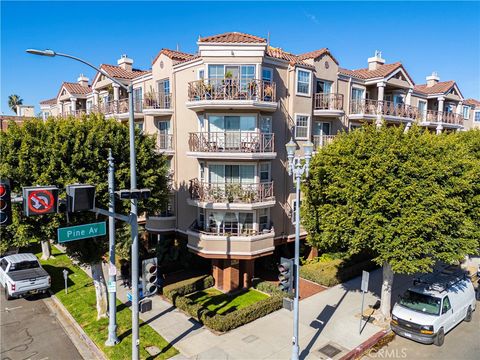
(125, 63)
(432, 79)
(83, 80)
(376, 61)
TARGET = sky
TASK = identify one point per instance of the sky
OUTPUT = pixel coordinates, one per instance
(425, 36)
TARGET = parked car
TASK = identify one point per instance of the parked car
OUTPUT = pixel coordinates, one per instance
(433, 306)
(22, 274)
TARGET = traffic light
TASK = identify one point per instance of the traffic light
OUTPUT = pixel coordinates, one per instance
(149, 276)
(40, 200)
(5, 203)
(80, 197)
(286, 276)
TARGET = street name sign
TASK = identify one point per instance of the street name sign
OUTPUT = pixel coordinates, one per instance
(80, 232)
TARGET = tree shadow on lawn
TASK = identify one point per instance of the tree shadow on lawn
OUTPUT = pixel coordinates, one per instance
(219, 301)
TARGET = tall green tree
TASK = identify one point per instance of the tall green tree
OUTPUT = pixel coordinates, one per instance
(67, 151)
(405, 196)
(13, 101)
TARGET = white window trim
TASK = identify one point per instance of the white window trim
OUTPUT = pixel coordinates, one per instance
(198, 73)
(468, 112)
(206, 119)
(474, 116)
(309, 86)
(308, 126)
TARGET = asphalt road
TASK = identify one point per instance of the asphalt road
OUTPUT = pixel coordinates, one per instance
(461, 343)
(28, 330)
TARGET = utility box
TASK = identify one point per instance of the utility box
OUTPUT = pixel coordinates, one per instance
(80, 197)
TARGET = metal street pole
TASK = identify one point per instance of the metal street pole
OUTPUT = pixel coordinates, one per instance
(133, 185)
(297, 169)
(112, 278)
(296, 347)
(134, 228)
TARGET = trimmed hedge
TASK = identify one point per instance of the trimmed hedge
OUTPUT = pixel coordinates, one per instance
(186, 287)
(335, 271)
(242, 316)
(178, 296)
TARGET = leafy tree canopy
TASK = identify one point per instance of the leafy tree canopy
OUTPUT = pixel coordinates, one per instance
(410, 198)
(67, 151)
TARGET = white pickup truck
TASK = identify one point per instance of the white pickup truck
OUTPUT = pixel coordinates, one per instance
(21, 274)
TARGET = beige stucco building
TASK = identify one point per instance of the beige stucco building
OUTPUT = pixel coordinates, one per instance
(222, 116)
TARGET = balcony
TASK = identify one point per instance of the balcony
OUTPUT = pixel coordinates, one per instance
(119, 108)
(448, 119)
(320, 141)
(229, 93)
(157, 104)
(232, 145)
(328, 105)
(246, 244)
(230, 195)
(165, 143)
(162, 223)
(77, 113)
(370, 109)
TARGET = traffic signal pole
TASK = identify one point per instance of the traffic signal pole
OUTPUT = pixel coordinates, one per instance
(112, 278)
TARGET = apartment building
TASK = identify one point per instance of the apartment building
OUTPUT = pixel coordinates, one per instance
(223, 115)
(472, 113)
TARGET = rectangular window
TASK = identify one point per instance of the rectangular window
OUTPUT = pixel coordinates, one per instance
(89, 106)
(303, 82)
(266, 124)
(232, 174)
(321, 128)
(263, 223)
(232, 123)
(324, 87)
(466, 112)
(201, 74)
(267, 74)
(422, 109)
(163, 86)
(301, 127)
(247, 74)
(477, 116)
(357, 94)
(264, 172)
(216, 72)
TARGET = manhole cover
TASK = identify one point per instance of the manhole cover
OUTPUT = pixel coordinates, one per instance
(153, 350)
(329, 350)
(249, 339)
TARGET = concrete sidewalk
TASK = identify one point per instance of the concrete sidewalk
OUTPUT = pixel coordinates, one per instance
(330, 317)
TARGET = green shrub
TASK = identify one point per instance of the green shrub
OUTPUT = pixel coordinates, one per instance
(242, 316)
(182, 288)
(267, 287)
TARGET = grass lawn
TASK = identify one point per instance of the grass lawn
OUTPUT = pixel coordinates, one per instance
(220, 303)
(81, 303)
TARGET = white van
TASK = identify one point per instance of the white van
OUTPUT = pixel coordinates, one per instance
(433, 306)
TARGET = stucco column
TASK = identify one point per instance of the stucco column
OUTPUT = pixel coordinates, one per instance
(441, 99)
(459, 109)
(439, 129)
(408, 125)
(73, 104)
(116, 92)
(380, 96)
(95, 97)
(408, 97)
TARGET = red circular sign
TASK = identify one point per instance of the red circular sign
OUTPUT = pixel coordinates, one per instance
(41, 201)
(3, 189)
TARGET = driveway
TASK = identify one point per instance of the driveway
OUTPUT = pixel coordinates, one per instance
(29, 330)
(461, 343)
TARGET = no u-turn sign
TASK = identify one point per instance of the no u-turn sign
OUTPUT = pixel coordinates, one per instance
(40, 200)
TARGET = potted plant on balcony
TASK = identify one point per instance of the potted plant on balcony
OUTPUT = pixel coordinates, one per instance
(252, 89)
(248, 195)
(268, 92)
(150, 98)
(205, 90)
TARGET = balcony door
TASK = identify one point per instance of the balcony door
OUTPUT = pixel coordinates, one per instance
(357, 99)
(241, 174)
(320, 131)
(235, 130)
(163, 134)
(324, 87)
(231, 222)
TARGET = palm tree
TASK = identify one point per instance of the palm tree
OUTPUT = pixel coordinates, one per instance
(13, 101)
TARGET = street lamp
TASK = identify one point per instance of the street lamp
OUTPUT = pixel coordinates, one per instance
(297, 169)
(112, 337)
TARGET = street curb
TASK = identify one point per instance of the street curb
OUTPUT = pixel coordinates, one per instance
(90, 344)
(367, 344)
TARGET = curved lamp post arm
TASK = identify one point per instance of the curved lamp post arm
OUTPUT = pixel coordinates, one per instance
(52, 53)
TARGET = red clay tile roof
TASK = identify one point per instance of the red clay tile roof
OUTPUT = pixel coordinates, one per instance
(472, 102)
(233, 37)
(438, 88)
(176, 56)
(316, 54)
(284, 55)
(382, 71)
(118, 72)
(49, 102)
(77, 89)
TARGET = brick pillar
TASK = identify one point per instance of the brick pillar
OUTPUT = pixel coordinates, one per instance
(231, 275)
(217, 273)
(248, 269)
